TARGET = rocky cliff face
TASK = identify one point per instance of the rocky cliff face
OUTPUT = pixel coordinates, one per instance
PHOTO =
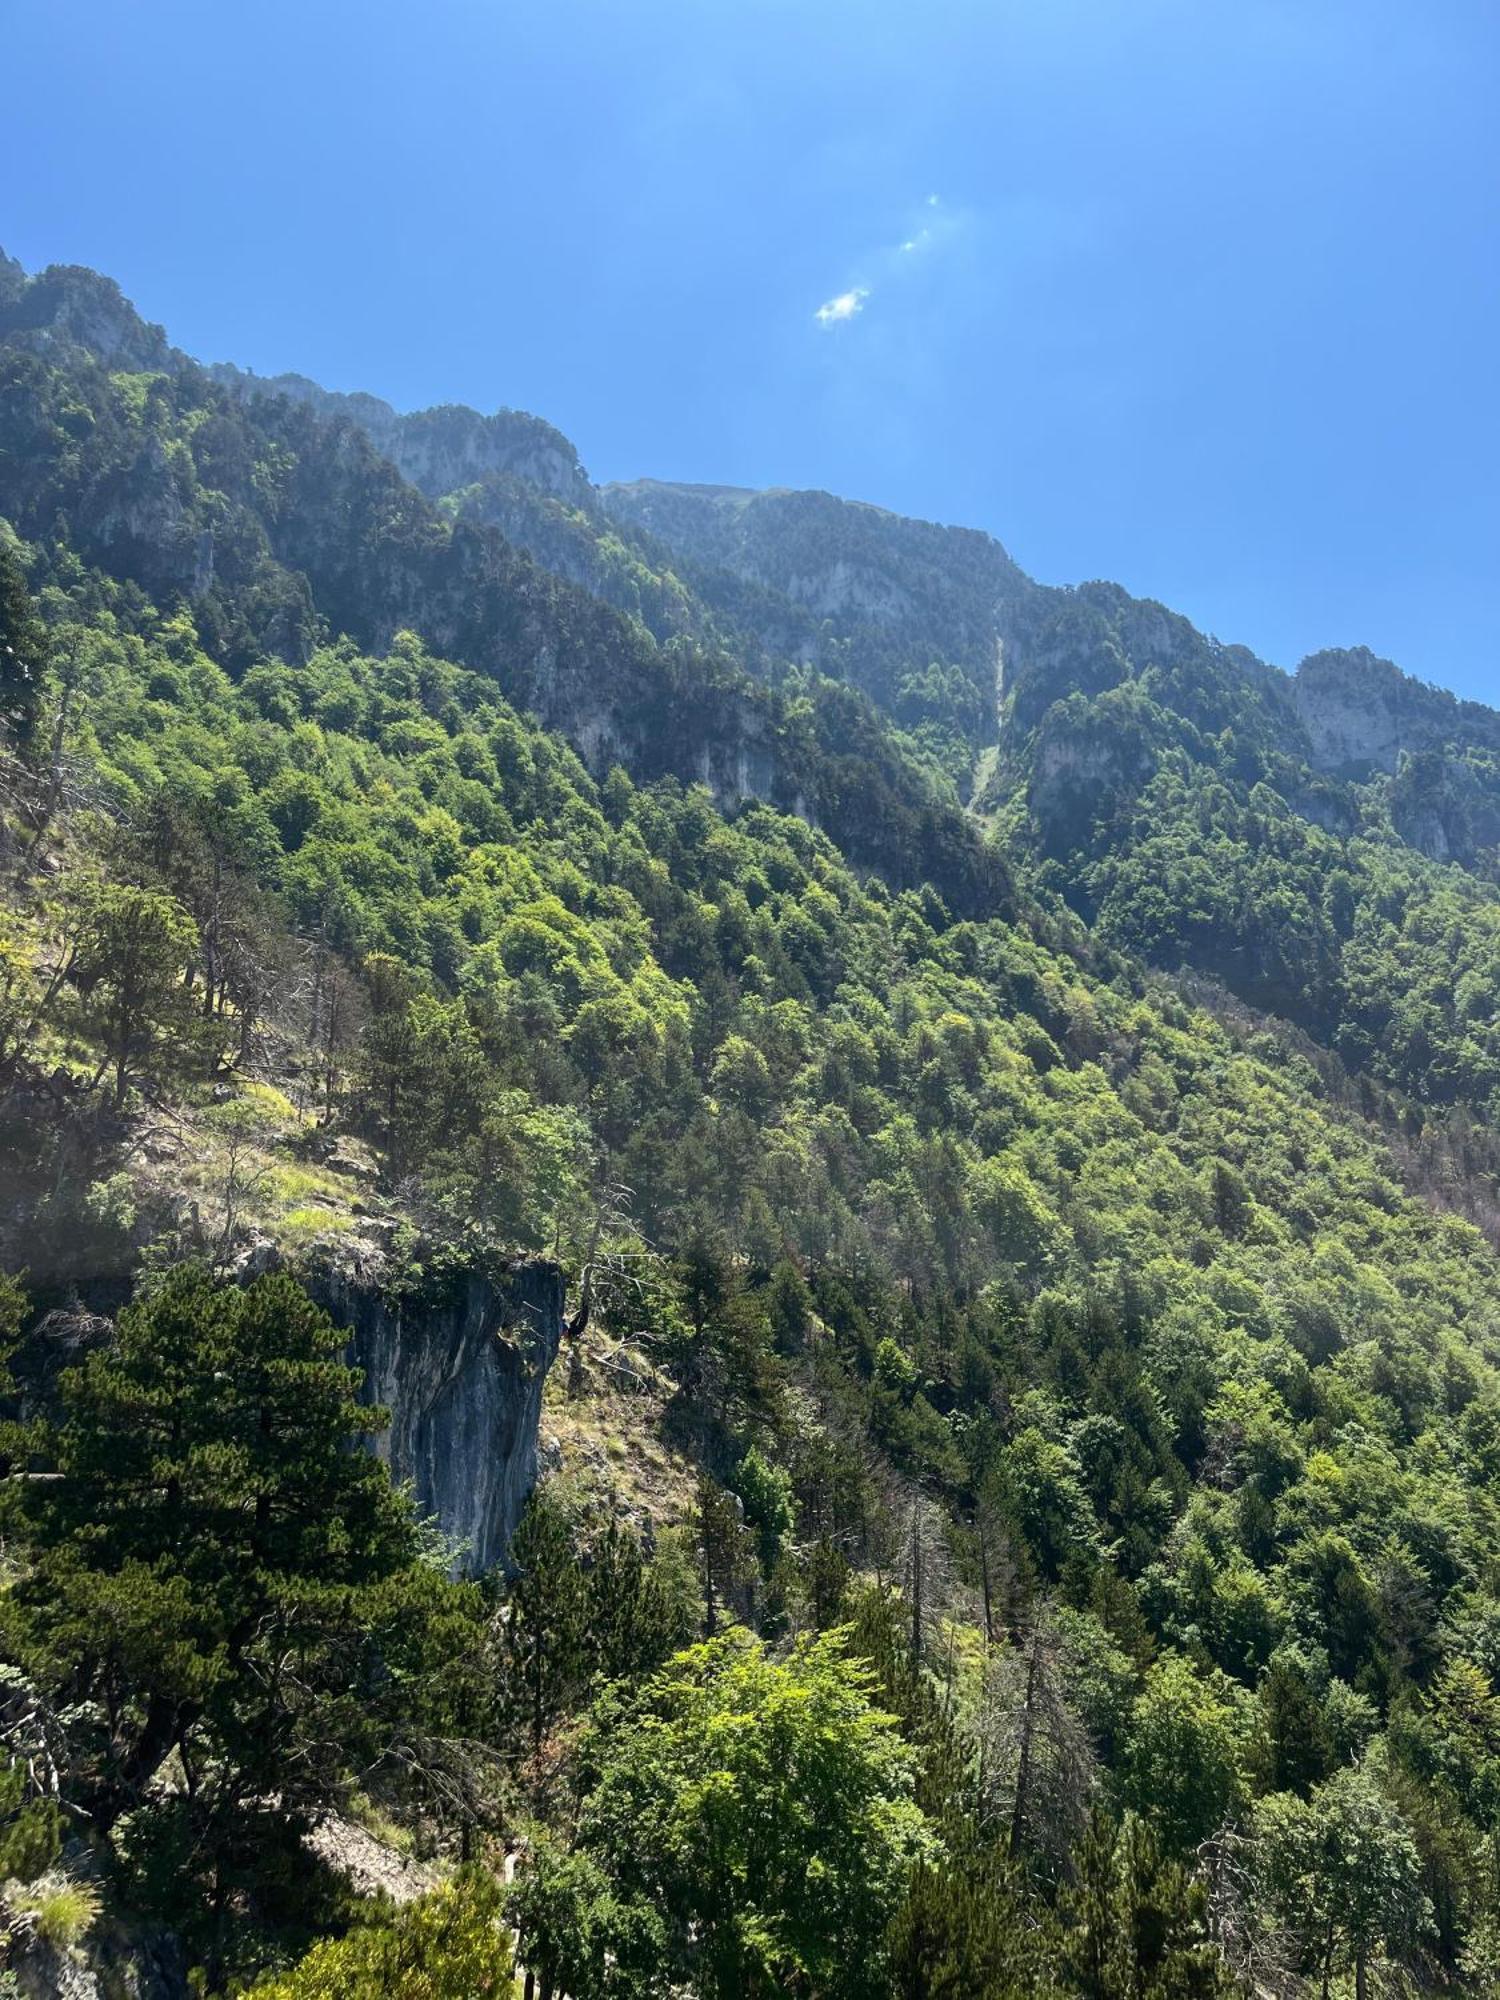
(313, 512)
(1085, 765)
(1361, 713)
(460, 1365)
(841, 560)
(461, 1369)
(1447, 805)
(443, 449)
(68, 304)
(116, 1960)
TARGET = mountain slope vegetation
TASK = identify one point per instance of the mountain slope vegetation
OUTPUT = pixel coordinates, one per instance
(1033, 1235)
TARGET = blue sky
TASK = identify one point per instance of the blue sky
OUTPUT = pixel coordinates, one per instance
(1199, 294)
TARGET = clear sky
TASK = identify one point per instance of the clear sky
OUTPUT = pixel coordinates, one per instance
(1196, 294)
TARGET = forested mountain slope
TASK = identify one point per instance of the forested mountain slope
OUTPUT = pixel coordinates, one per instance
(279, 525)
(1060, 1428)
(1324, 843)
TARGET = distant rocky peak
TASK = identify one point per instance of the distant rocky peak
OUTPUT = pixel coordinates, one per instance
(440, 450)
(68, 303)
(1361, 713)
(245, 383)
(452, 446)
(12, 279)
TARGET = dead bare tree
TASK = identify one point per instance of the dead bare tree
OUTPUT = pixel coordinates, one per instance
(1037, 1771)
(998, 1570)
(245, 1173)
(610, 1222)
(926, 1573)
(332, 1003)
(1256, 1948)
(52, 794)
(33, 1734)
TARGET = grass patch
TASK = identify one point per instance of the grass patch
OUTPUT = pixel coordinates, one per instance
(63, 1911)
(273, 1105)
(294, 1186)
(380, 1826)
(301, 1226)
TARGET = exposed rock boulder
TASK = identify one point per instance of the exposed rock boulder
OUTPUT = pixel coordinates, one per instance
(460, 1367)
(116, 1961)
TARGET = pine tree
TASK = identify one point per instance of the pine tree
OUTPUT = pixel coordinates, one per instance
(544, 1654)
(23, 654)
(637, 1611)
(963, 1934)
(220, 1577)
(1298, 1751)
(1138, 1922)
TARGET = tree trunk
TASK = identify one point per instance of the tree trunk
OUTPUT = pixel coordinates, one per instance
(710, 1622)
(538, 1692)
(916, 1588)
(1023, 1768)
(55, 773)
(164, 1722)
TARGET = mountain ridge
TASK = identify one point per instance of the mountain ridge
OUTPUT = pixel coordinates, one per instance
(242, 542)
(1328, 688)
(446, 447)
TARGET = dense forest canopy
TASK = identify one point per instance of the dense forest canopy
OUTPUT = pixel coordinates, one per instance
(1010, 1085)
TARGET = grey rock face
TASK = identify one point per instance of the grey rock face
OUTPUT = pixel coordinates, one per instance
(1446, 805)
(12, 279)
(1361, 713)
(67, 303)
(442, 449)
(1082, 769)
(461, 1370)
(1353, 707)
(117, 1962)
(460, 1365)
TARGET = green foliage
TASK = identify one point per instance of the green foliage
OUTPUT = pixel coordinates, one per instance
(579, 1608)
(206, 1526)
(1136, 1923)
(128, 958)
(545, 1656)
(639, 1609)
(23, 652)
(30, 1828)
(961, 1934)
(766, 1491)
(1198, 835)
(62, 1911)
(950, 1173)
(1342, 1871)
(753, 1817)
(1182, 1773)
(576, 1923)
(995, 1286)
(450, 1945)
